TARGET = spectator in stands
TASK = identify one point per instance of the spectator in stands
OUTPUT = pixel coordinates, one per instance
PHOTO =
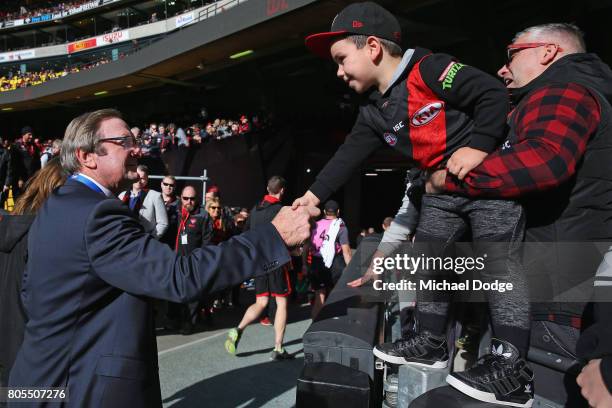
(234, 128)
(177, 136)
(136, 132)
(223, 130)
(168, 188)
(146, 204)
(50, 152)
(245, 126)
(327, 242)
(192, 233)
(25, 160)
(13, 253)
(276, 284)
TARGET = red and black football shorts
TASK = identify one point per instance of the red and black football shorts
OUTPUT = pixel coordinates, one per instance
(274, 284)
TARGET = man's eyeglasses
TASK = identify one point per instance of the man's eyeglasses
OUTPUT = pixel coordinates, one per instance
(513, 49)
(127, 142)
(168, 184)
(188, 198)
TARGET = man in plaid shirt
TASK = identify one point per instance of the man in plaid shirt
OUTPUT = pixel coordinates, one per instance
(557, 161)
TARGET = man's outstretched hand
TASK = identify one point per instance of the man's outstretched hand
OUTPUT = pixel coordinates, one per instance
(294, 225)
(369, 275)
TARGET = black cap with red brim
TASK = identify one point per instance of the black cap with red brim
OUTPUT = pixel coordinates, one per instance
(366, 18)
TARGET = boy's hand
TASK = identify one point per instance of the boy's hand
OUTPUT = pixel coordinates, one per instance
(436, 182)
(593, 387)
(308, 199)
(464, 160)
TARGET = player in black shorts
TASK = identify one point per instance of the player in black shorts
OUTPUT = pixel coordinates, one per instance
(276, 284)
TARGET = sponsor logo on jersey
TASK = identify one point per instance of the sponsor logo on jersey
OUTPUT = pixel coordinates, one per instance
(391, 139)
(448, 76)
(426, 114)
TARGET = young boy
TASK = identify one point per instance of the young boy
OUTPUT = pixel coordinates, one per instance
(436, 112)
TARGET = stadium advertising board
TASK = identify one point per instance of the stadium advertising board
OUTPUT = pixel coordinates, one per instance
(17, 55)
(82, 45)
(185, 19)
(114, 37)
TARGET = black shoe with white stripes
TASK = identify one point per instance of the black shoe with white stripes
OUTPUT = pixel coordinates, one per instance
(502, 377)
(423, 350)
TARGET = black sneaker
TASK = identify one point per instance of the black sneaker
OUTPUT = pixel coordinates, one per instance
(501, 377)
(280, 355)
(423, 350)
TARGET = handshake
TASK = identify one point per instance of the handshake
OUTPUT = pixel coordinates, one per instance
(293, 223)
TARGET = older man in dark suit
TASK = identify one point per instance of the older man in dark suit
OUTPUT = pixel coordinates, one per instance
(93, 272)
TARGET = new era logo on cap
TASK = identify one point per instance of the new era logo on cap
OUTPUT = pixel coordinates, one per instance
(367, 18)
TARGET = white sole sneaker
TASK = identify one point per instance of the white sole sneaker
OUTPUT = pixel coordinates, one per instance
(403, 361)
(482, 395)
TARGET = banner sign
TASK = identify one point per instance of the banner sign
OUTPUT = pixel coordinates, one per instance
(184, 19)
(82, 45)
(17, 55)
(114, 37)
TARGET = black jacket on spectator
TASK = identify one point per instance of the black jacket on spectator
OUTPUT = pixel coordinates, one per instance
(13, 255)
(264, 212)
(5, 162)
(195, 227)
(25, 161)
(172, 209)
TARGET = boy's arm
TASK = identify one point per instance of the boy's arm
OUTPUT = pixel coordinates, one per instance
(406, 220)
(470, 90)
(359, 144)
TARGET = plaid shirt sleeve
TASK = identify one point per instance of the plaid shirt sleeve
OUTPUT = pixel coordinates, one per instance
(552, 131)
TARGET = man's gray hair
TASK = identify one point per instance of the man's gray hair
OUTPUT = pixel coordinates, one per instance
(570, 32)
(144, 168)
(360, 41)
(82, 134)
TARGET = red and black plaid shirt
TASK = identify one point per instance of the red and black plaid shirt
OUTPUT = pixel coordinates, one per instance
(552, 130)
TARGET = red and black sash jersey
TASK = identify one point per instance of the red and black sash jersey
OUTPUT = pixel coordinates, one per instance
(434, 107)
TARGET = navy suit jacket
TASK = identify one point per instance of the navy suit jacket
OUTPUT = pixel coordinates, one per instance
(88, 287)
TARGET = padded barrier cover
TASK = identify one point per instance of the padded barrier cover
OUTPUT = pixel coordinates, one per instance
(332, 385)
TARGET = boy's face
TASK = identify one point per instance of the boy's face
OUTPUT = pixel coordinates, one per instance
(355, 67)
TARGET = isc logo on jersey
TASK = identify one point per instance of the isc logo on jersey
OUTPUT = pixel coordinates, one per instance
(426, 114)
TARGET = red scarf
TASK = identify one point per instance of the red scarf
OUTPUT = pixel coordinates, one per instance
(270, 199)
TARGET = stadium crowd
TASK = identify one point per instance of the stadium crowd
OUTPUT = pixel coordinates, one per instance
(14, 10)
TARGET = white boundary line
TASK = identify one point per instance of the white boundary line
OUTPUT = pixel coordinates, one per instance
(191, 343)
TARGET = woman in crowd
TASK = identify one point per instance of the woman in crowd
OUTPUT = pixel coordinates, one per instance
(13, 254)
(221, 229)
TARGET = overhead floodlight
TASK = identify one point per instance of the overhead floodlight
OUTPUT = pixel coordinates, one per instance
(7, 109)
(100, 93)
(241, 54)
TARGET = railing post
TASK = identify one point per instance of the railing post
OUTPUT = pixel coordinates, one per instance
(204, 183)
